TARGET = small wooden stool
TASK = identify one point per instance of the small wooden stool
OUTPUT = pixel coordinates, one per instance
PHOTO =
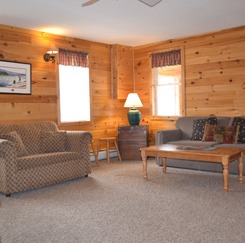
(107, 140)
(94, 153)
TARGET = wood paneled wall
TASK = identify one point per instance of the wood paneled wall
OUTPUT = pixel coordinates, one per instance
(122, 71)
(214, 68)
(214, 75)
(21, 45)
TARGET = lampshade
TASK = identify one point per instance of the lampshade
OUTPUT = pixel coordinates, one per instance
(134, 115)
(133, 100)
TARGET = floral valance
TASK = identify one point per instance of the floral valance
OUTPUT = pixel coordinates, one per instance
(168, 58)
(73, 58)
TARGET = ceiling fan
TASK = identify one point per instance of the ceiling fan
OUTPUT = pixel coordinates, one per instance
(150, 3)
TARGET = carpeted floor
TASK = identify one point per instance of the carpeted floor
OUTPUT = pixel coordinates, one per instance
(115, 204)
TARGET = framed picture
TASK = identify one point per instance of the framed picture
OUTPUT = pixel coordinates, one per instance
(15, 77)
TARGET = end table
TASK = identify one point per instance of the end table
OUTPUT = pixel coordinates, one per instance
(130, 140)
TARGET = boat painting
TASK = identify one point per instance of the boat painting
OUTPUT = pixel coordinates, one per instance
(15, 77)
(12, 79)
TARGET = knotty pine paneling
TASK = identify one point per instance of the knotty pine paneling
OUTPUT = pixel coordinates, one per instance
(214, 77)
(122, 71)
(214, 74)
(21, 45)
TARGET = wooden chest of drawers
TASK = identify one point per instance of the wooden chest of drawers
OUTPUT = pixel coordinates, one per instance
(130, 140)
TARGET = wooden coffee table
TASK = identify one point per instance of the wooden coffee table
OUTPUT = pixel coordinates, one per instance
(220, 155)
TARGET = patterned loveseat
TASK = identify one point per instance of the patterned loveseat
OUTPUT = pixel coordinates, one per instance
(37, 154)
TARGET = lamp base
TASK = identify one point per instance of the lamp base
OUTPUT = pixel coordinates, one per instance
(134, 116)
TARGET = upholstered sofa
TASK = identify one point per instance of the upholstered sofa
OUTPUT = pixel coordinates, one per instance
(186, 133)
(37, 154)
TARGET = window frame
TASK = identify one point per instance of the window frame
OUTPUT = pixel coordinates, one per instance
(58, 103)
(182, 88)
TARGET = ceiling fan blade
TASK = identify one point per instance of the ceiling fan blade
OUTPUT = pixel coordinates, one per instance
(150, 3)
(89, 2)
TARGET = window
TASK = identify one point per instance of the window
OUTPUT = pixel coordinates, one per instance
(74, 88)
(167, 90)
(167, 84)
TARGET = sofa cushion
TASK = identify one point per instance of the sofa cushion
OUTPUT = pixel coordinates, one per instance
(30, 133)
(15, 138)
(221, 134)
(185, 124)
(53, 142)
(241, 134)
(39, 160)
(199, 126)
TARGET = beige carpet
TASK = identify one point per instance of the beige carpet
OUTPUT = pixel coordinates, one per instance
(115, 204)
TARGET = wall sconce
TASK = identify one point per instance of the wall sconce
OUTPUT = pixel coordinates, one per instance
(50, 56)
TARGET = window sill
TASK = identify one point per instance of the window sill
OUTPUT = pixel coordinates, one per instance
(164, 118)
(64, 124)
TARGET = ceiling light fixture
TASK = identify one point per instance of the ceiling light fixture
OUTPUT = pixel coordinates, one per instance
(150, 3)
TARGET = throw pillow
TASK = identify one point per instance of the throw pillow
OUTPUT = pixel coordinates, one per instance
(241, 134)
(53, 142)
(199, 126)
(221, 134)
(15, 138)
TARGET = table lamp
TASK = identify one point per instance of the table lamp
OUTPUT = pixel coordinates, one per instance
(134, 114)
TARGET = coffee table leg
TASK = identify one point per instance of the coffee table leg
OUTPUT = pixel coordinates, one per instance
(164, 164)
(240, 168)
(225, 164)
(144, 164)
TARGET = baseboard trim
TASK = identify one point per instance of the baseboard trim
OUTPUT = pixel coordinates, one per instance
(102, 155)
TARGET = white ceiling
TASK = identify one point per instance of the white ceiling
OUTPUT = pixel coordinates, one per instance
(126, 22)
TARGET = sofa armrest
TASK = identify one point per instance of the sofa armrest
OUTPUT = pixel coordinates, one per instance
(78, 141)
(8, 152)
(165, 136)
(8, 167)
